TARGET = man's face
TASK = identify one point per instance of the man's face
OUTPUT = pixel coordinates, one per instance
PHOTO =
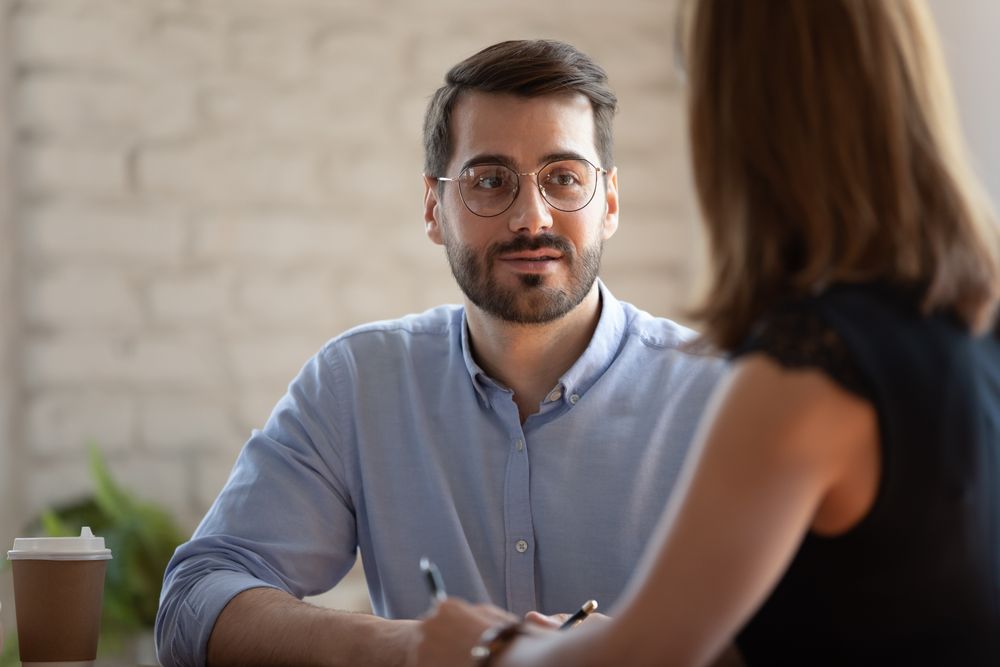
(531, 263)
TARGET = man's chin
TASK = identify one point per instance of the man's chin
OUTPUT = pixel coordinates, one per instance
(532, 280)
(537, 306)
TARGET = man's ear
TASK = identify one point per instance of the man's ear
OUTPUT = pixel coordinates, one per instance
(610, 224)
(432, 226)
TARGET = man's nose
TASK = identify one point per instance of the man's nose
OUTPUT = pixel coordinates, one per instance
(530, 213)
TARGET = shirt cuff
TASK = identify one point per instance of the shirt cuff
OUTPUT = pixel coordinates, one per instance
(186, 644)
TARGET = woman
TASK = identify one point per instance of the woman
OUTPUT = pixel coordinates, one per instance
(843, 502)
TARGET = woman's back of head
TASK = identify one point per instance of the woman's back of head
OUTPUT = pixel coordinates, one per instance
(826, 148)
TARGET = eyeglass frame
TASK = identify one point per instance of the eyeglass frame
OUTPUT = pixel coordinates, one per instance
(517, 190)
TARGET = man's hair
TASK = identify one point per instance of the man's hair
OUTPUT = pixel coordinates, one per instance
(826, 149)
(530, 68)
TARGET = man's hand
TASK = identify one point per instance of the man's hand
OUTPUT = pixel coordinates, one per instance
(452, 628)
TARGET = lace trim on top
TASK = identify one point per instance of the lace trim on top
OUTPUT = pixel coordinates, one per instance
(802, 339)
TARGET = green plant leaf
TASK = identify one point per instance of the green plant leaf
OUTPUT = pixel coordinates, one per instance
(54, 526)
(115, 503)
(10, 657)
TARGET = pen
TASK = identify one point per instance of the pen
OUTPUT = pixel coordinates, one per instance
(586, 610)
(433, 577)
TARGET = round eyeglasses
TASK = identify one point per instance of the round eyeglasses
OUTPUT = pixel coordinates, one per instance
(490, 189)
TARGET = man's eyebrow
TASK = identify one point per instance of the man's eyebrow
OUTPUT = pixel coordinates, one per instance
(564, 155)
(507, 161)
(489, 158)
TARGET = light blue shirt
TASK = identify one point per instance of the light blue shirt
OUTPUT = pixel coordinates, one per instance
(392, 440)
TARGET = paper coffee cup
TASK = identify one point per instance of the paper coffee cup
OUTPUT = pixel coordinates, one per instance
(58, 588)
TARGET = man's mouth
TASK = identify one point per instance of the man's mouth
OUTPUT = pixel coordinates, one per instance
(540, 256)
(543, 255)
(542, 261)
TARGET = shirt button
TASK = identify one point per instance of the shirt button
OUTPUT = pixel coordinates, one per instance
(521, 546)
(555, 395)
(519, 444)
(574, 398)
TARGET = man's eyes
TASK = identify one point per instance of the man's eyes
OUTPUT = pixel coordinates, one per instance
(490, 182)
(563, 179)
(489, 178)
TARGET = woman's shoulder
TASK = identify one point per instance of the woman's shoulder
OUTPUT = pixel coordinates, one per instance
(800, 335)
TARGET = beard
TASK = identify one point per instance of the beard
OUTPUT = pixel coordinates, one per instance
(532, 301)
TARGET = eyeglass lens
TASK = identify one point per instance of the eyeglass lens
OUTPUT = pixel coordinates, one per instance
(490, 189)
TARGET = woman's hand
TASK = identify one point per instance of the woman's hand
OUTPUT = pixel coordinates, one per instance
(555, 621)
(453, 627)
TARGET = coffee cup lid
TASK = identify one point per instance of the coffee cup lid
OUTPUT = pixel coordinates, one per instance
(85, 547)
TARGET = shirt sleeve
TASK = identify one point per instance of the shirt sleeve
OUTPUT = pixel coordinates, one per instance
(285, 519)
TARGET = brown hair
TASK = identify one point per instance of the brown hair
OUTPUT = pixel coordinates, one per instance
(826, 149)
(529, 68)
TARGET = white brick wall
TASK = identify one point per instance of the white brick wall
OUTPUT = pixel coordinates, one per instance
(185, 422)
(190, 298)
(11, 500)
(74, 360)
(109, 111)
(58, 421)
(210, 189)
(50, 170)
(74, 298)
(145, 234)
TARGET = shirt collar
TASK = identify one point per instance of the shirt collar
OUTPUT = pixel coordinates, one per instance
(600, 352)
(480, 380)
(596, 358)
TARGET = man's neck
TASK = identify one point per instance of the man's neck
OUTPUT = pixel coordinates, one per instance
(530, 358)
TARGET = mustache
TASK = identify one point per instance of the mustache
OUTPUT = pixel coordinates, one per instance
(521, 243)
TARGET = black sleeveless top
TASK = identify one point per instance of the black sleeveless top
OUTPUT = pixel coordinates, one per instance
(917, 581)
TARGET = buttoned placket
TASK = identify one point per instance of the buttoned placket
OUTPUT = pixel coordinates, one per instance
(519, 538)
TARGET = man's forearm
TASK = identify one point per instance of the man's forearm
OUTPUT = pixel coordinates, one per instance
(264, 626)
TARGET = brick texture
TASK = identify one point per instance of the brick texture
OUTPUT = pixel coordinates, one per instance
(11, 447)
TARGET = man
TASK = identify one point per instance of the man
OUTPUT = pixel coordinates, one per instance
(525, 442)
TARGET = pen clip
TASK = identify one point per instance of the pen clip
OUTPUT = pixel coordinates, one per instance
(434, 581)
